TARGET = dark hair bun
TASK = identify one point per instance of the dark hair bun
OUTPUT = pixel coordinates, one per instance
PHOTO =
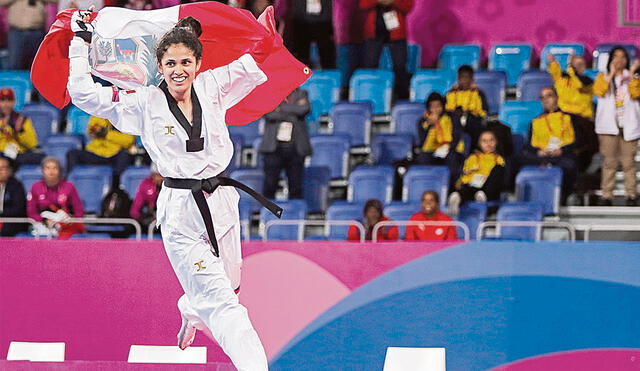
(190, 23)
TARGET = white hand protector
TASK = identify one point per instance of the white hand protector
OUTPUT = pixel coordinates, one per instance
(80, 27)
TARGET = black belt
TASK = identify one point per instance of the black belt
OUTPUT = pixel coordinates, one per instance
(209, 185)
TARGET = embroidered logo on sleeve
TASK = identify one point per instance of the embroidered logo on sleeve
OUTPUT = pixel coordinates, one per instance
(115, 95)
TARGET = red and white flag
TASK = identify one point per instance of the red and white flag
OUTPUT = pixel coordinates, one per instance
(123, 52)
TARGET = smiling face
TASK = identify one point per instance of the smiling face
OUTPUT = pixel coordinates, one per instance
(178, 67)
(429, 204)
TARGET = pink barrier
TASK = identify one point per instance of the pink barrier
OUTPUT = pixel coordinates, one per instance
(100, 297)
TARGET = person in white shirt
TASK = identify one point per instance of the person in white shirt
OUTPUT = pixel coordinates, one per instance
(182, 126)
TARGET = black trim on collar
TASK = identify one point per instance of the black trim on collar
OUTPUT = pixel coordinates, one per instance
(195, 143)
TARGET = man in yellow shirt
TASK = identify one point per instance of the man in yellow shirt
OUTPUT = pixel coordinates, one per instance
(552, 138)
(18, 139)
(108, 146)
(468, 103)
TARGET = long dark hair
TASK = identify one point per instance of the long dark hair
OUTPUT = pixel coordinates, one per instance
(612, 52)
(185, 32)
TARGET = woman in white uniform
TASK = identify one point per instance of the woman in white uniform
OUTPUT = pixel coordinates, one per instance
(181, 124)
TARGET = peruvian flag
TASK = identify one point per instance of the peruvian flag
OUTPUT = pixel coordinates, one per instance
(122, 52)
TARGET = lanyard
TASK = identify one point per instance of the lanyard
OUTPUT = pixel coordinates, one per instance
(546, 120)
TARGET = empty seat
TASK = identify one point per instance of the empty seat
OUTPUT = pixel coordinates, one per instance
(253, 178)
(453, 56)
(601, 54)
(93, 183)
(493, 84)
(341, 211)
(414, 52)
(248, 132)
(519, 114)
(510, 58)
(44, 118)
(401, 211)
(561, 52)
(316, 188)
(353, 120)
(28, 174)
(373, 86)
(58, 145)
(421, 178)
(323, 89)
(131, 178)
(404, 119)
(20, 82)
(331, 151)
(424, 82)
(370, 182)
(77, 122)
(389, 148)
(472, 214)
(530, 83)
(519, 211)
(292, 210)
(541, 185)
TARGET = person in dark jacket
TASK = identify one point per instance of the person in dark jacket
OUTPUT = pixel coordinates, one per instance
(13, 202)
(285, 144)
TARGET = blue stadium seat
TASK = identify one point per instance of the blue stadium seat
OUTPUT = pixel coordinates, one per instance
(404, 119)
(342, 211)
(561, 52)
(254, 178)
(592, 73)
(331, 151)
(258, 158)
(531, 82)
(389, 148)
(367, 182)
(518, 141)
(131, 178)
(316, 188)
(541, 185)
(518, 115)
(401, 211)
(472, 214)
(238, 144)
(248, 132)
(77, 122)
(29, 174)
(323, 89)
(519, 211)
(59, 144)
(511, 58)
(493, 84)
(44, 118)
(93, 183)
(414, 56)
(353, 120)
(421, 178)
(453, 56)
(601, 54)
(20, 82)
(373, 86)
(424, 82)
(292, 210)
(84, 236)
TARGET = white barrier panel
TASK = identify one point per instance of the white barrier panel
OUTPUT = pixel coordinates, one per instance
(166, 354)
(415, 359)
(35, 352)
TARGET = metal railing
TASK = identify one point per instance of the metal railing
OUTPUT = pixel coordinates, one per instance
(301, 223)
(537, 224)
(453, 223)
(609, 228)
(244, 223)
(33, 222)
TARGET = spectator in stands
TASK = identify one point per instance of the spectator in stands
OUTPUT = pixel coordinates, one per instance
(483, 175)
(618, 123)
(307, 21)
(441, 137)
(431, 213)
(372, 215)
(108, 146)
(13, 203)
(26, 30)
(18, 138)
(143, 208)
(552, 139)
(85, 4)
(54, 200)
(285, 144)
(467, 102)
(386, 24)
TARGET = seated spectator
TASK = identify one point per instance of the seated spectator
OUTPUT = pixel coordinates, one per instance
(552, 140)
(441, 137)
(285, 144)
(13, 203)
(108, 146)
(143, 208)
(54, 200)
(482, 177)
(17, 136)
(467, 102)
(372, 214)
(618, 124)
(430, 212)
